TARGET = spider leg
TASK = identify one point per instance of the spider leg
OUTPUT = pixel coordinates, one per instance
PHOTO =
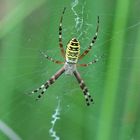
(95, 60)
(51, 59)
(48, 83)
(60, 35)
(92, 42)
(90, 63)
(87, 96)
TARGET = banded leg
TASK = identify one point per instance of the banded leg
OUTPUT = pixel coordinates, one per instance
(87, 96)
(44, 87)
(92, 42)
(51, 59)
(60, 34)
(90, 63)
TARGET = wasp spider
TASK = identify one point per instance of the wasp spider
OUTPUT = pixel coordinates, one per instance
(71, 56)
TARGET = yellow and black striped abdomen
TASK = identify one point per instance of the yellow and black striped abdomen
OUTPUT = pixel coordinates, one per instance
(72, 51)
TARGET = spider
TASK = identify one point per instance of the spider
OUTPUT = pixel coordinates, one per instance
(72, 56)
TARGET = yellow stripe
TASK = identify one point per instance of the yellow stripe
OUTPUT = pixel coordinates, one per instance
(73, 46)
(72, 52)
(72, 57)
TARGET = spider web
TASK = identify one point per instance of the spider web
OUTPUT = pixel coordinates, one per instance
(63, 97)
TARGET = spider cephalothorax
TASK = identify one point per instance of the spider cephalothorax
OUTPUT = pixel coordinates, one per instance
(71, 56)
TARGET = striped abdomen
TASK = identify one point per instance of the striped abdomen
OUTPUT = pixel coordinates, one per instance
(72, 51)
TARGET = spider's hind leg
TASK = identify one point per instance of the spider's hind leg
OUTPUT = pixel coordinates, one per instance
(38, 89)
(87, 96)
(46, 85)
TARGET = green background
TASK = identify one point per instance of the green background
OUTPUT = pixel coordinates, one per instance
(28, 26)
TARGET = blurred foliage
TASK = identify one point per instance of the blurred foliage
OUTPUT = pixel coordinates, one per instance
(26, 27)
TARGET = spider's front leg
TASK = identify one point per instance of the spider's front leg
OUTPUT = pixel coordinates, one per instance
(92, 42)
(60, 35)
(87, 96)
(44, 87)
